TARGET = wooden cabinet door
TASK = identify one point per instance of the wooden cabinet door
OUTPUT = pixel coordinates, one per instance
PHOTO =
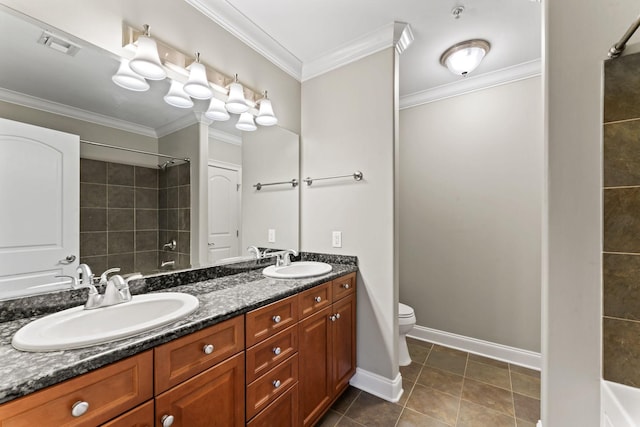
(344, 342)
(142, 416)
(314, 351)
(213, 398)
(282, 412)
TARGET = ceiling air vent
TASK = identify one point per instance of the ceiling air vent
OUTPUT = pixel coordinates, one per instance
(58, 44)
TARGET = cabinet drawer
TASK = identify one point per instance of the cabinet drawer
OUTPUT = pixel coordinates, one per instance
(271, 319)
(343, 286)
(109, 391)
(185, 357)
(268, 387)
(267, 354)
(214, 397)
(314, 299)
(282, 412)
(142, 416)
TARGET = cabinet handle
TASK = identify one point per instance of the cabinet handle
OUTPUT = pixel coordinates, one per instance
(332, 317)
(346, 285)
(276, 384)
(208, 349)
(337, 315)
(318, 299)
(167, 420)
(79, 408)
(277, 351)
(276, 319)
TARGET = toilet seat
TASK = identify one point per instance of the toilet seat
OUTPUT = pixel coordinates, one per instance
(404, 311)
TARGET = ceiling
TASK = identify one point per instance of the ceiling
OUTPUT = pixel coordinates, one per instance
(313, 29)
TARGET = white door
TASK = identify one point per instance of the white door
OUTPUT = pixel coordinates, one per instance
(39, 207)
(224, 223)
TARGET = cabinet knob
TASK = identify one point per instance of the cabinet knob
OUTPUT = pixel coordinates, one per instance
(208, 349)
(277, 351)
(167, 420)
(337, 315)
(332, 317)
(276, 319)
(346, 285)
(79, 408)
(276, 384)
(318, 299)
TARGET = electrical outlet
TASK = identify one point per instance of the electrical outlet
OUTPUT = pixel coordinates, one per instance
(272, 235)
(336, 240)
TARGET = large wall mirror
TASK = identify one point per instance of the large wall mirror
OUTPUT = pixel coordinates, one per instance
(137, 211)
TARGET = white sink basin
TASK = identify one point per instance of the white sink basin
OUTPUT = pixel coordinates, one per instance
(77, 327)
(297, 270)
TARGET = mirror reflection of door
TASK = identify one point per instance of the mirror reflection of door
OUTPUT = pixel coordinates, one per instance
(39, 223)
(224, 211)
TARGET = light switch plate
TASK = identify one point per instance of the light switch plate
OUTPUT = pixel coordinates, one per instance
(336, 239)
(272, 235)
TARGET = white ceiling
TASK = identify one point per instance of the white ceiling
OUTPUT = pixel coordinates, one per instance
(313, 29)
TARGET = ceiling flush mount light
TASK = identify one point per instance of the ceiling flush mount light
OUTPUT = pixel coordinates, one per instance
(245, 122)
(146, 62)
(217, 111)
(198, 86)
(126, 78)
(236, 103)
(265, 116)
(177, 96)
(462, 58)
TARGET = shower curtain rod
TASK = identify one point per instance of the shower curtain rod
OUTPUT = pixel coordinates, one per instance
(617, 49)
(99, 144)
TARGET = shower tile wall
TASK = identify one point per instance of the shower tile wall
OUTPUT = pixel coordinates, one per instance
(174, 214)
(119, 216)
(621, 199)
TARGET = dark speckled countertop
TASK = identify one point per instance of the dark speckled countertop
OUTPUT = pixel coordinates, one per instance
(220, 298)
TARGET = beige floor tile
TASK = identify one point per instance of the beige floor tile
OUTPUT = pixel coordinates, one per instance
(330, 419)
(419, 342)
(447, 360)
(446, 382)
(407, 386)
(498, 377)
(410, 418)
(523, 423)
(348, 422)
(372, 411)
(489, 396)
(527, 408)
(488, 361)
(441, 406)
(345, 400)
(418, 353)
(524, 384)
(472, 415)
(524, 371)
(411, 371)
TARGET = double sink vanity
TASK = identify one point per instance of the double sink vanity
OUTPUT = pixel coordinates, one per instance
(253, 350)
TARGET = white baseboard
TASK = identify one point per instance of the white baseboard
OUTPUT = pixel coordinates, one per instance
(516, 356)
(384, 388)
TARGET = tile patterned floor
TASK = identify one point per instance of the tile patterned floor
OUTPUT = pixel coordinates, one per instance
(444, 387)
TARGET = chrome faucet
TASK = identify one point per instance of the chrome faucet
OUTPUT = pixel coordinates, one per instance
(116, 287)
(282, 257)
(254, 250)
(85, 280)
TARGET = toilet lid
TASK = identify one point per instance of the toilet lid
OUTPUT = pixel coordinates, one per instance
(404, 310)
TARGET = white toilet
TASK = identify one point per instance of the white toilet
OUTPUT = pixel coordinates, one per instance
(406, 321)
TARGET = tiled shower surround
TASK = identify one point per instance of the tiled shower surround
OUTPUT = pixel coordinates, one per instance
(127, 214)
(621, 198)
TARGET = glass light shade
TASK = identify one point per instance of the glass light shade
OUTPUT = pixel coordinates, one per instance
(127, 79)
(245, 122)
(265, 116)
(236, 103)
(177, 96)
(198, 86)
(465, 57)
(217, 111)
(146, 62)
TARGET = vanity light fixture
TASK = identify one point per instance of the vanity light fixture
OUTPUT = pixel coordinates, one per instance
(177, 97)
(265, 116)
(236, 103)
(198, 86)
(462, 58)
(126, 78)
(246, 123)
(217, 111)
(146, 62)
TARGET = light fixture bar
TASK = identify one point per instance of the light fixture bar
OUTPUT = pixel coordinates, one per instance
(174, 58)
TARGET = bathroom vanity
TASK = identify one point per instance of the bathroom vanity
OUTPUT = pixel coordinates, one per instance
(258, 352)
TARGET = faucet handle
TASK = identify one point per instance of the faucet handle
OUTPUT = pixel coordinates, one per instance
(74, 280)
(84, 274)
(105, 276)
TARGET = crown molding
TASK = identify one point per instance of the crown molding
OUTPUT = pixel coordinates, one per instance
(232, 20)
(75, 113)
(467, 85)
(396, 34)
(224, 137)
(178, 124)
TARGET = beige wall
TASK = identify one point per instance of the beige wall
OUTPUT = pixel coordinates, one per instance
(471, 170)
(225, 152)
(347, 126)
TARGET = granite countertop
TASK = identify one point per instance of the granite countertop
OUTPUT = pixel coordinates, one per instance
(220, 299)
